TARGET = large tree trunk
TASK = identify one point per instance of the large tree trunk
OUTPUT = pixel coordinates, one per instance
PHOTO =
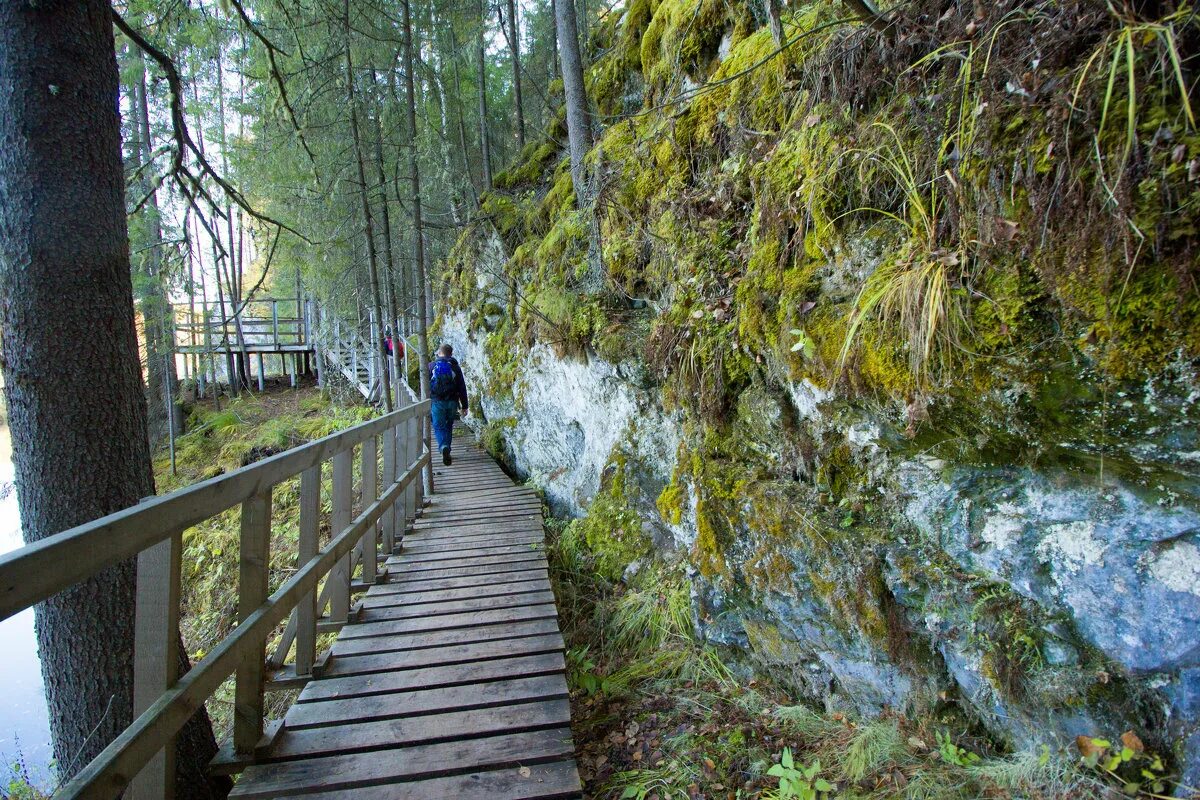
(376, 336)
(512, 32)
(481, 75)
(579, 131)
(77, 411)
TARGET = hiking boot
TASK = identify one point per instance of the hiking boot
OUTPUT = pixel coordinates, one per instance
(446, 459)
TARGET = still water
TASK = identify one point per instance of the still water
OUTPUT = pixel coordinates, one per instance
(24, 727)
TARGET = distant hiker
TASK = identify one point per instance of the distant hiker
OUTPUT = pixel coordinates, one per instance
(448, 391)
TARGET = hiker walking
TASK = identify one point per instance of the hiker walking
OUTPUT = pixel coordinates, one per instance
(448, 391)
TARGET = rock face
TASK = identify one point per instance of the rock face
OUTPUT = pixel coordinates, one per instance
(869, 573)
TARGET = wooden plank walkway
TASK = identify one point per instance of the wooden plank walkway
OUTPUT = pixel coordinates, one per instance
(451, 683)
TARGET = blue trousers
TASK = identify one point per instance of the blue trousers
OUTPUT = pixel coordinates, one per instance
(444, 413)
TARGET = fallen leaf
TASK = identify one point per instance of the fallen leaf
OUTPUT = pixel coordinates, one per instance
(1130, 739)
(1089, 747)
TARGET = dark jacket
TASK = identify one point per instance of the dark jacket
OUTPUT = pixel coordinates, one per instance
(460, 383)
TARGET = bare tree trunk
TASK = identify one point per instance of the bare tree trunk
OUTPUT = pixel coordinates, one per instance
(481, 69)
(414, 178)
(389, 261)
(160, 361)
(76, 405)
(554, 39)
(462, 126)
(579, 132)
(512, 33)
(375, 337)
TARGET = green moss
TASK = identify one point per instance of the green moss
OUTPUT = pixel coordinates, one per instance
(493, 437)
(612, 527)
(530, 167)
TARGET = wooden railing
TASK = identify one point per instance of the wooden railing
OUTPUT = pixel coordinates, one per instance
(141, 757)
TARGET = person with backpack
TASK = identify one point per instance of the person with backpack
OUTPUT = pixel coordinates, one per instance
(448, 392)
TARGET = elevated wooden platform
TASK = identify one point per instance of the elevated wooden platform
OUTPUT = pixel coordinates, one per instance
(451, 682)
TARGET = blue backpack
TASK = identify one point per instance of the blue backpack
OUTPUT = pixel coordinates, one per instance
(442, 383)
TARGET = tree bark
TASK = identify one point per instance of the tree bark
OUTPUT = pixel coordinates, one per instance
(414, 178)
(376, 336)
(77, 410)
(579, 132)
(389, 261)
(512, 33)
(156, 311)
(481, 70)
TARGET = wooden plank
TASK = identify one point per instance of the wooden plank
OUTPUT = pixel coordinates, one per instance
(155, 657)
(252, 593)
(408, 558)
(450, 535)
(407, 680)
(385, 660)
(428, 729)
(413, 568)
(306, 610)
(429, 575)
(393, 611)
(447, 621)
(339, 577)
(445, 638)
(554, 781)
(426, 701)
(423, 545)
(388, 766)
(369, 545)
(394, 587)
(377, 598)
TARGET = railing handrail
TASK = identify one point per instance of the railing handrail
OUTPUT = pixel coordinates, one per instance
(112, 770)
(40, 570)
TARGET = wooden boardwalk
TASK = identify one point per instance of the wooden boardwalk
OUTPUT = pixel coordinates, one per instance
(450, 682)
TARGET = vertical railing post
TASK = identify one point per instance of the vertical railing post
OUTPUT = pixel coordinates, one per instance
(306, 611)
(275, 321)
(339, 576)
(252, 593)
(156, 655)
(389, 477)
(369, 544)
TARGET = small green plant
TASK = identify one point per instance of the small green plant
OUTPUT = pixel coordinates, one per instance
(582, 674)
(803, 344)
(801, 783)
(1125, 763)
(951, 753)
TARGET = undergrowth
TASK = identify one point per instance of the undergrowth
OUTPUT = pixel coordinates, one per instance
(658, 714)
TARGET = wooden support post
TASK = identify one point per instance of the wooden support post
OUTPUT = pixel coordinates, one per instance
(261, 377)
(369, 544)
(339, 576)
(295, 368)
(389, 477)
(306, 611)
(252, 593)
(155, 656)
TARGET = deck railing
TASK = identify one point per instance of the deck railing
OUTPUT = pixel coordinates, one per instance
(141, 757)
